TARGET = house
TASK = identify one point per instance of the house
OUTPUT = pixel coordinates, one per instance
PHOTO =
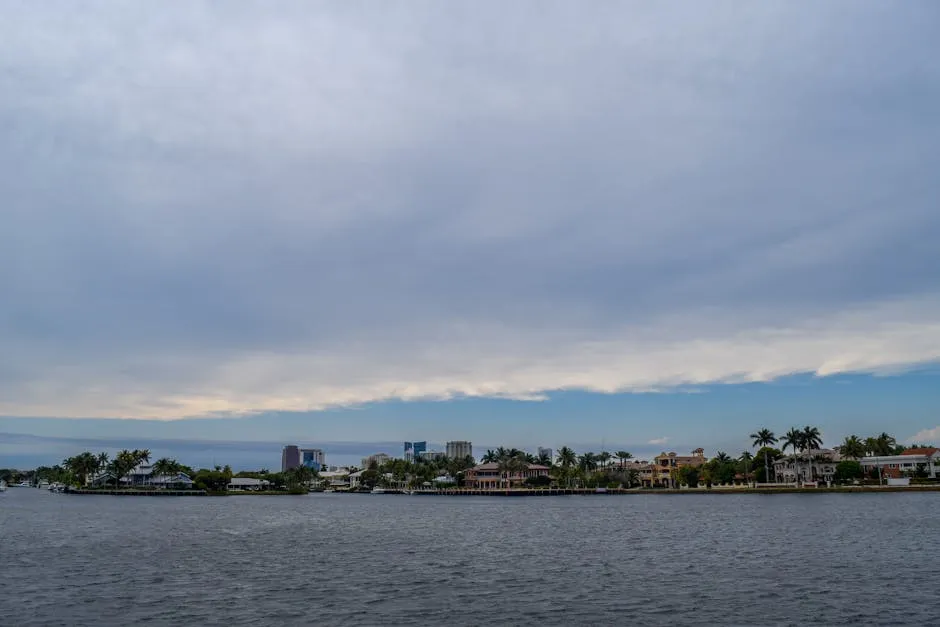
(142, 475)
(926, 459)
(808, 467)
(334, 479)
(661, 471)
(489, 477)
(248, 484)
(355, 479)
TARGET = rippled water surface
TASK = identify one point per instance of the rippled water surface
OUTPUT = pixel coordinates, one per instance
(398, 560)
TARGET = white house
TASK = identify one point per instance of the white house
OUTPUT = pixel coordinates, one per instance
(815, 465)
(248, 483)
(907, 463)
(143, 475)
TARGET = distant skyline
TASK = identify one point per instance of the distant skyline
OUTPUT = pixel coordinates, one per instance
(643, 225)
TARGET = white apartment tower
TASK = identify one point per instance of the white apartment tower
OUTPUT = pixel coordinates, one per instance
(458, 449)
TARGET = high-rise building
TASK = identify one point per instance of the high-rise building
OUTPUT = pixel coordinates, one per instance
(313, 458)
(379, 459)
(413, 450)
(547, 452)
(458, 449)
(290, 458)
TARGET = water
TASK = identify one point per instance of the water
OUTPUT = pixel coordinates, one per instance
(397, 560)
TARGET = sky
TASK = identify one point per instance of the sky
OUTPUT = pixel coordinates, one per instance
(653, 225)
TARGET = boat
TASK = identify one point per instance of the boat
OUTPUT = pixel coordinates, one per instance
(329, 491)
(21, 484)
(378, 490)
(3, 486)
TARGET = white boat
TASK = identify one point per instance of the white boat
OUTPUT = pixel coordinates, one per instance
(3, 486)
(329, 491)
(378, 490)
(21, 484)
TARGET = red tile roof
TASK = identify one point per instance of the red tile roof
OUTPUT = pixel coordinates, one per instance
(927, 450)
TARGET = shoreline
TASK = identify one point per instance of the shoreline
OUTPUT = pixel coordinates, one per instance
(523, 492)
(685, 491)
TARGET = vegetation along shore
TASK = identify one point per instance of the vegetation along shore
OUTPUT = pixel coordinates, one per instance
(796, 462)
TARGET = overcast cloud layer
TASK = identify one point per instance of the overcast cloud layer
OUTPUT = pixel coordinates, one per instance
(236, 207)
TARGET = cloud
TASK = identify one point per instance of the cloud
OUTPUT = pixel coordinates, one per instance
(928, 436)
(330, 206)
(658, 441)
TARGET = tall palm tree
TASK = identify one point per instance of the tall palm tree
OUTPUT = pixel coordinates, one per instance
(165, 467)
(102, 463)
(764, 438)
(603, 458)
(511, 463)
(489, 457)
(886, 444)
(567, 457)
(812, 440)
(623, 456)
(793, 439)
(746, 458)
(722, 458)
(852, 447)
(587, 462)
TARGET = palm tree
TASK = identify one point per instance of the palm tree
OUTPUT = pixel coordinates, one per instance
(123, 463)
(79, 466)
(603, 458)
(623, 456)
(511, 463)
(764, 438)
(165, 467)
(886, 444)
(102, 463)
(812, 440)
(567, 457)
(722, 458)
(793, 439)
(852, 447)
(489, 457)
(746, 458)
(588, 461)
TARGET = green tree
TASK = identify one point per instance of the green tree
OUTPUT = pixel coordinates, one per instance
(165, 467)
(764, 459)
(746, 460)
(81, 467)
(760, 439)
(510, 463)
(793, 439)
(689, 475)
(623, 456)
(847, 470)
(811, 440)
(567, 457)
(852, 447)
